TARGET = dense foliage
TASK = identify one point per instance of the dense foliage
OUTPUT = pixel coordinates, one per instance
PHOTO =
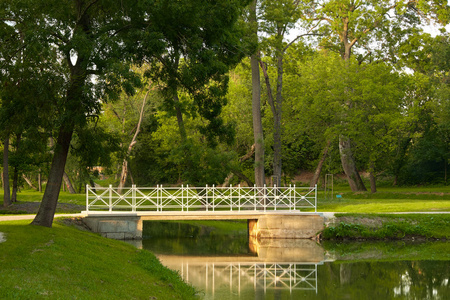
(162, 91)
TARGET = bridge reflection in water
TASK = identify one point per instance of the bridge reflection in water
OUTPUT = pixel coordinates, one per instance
(208, 276)
(286, 265)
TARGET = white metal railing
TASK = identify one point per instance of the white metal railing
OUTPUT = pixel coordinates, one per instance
(208, 198)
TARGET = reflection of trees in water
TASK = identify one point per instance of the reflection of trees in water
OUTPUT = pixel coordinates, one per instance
(385, 280)
(212, 245)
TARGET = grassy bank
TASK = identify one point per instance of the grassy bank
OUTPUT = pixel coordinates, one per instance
(66, 263)
(388, 226)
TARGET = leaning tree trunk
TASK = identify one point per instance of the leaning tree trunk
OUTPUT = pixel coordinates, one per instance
(318, 170)
(49, 202)
(6, 191)
(256, 105)
(69, 183)
(29, 182)
(124, 174)
(349, 165)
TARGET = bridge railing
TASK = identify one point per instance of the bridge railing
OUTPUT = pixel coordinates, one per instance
(208, 198)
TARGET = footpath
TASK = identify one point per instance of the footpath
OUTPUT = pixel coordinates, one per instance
(31, 217)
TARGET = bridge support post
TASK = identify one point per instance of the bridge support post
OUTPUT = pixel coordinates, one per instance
(116, 227)
(286, 227)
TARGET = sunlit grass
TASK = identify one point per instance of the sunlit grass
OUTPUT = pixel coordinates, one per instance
(66, 263)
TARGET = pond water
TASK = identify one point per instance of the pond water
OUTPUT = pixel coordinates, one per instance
(223, 266)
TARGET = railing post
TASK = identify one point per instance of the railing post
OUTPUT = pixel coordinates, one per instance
(157, 197)
(214, 196)
(182, 201)
(187, 195)
(110, 197)
(133, 198)
(290, 196)
(206, 198)
(265, 196)
(255, 196)
(295, 194)
(315, 198)
(87, 198)
(231, 197)
(275, 196)
(239, 198)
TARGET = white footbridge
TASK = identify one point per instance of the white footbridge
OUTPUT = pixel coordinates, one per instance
(272, 212)
(193, 199)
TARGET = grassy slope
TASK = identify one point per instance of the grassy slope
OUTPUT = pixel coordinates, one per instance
(379, 226)
(66, 263)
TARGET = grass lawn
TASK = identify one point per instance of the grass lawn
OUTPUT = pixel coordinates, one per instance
(66, 263)
(388, 199)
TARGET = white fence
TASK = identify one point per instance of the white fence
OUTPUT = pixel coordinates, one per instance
(208, 198)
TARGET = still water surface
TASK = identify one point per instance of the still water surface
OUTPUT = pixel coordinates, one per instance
(232, 267)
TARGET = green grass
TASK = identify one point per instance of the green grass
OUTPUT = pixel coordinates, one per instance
(388, 226)
(66, 263)
(384, 205)
(389, 199)
(64, 197)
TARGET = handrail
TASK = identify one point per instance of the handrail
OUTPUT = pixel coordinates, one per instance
(207, 198)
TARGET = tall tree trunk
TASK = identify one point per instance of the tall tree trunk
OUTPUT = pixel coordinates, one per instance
(277, 158)
(258, 134)
(400, 158)
(49, 202)
(6, 191)
(277, 128)
(373, 182)
(345, 150)
(318, 170)
(15, 185)
(40, 181)
(68, 183)
(349, 165)
(124, 174)
(372, 178)
(16, 171)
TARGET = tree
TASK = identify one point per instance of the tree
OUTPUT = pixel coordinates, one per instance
(278, 18)
(426, 157)
(84, 39)
(348, 24)
(258, 134)
(203, 42)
